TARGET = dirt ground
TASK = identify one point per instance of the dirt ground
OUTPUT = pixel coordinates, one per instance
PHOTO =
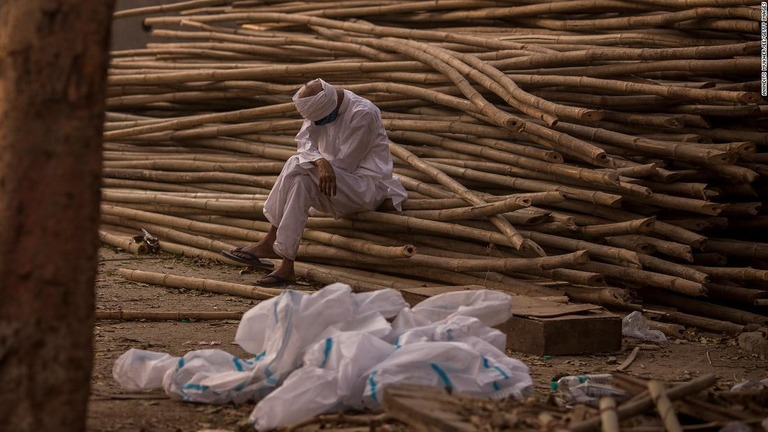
(113, 409)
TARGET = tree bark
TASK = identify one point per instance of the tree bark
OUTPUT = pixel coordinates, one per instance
(53, 67)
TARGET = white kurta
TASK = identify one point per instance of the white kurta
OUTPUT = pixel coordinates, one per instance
(356, 146)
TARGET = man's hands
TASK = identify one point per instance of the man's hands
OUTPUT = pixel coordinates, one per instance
(327, 177)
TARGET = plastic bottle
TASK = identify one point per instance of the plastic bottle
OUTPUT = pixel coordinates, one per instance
(570, 381)
(590, 393)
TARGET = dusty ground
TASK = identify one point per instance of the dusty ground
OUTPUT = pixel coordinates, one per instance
(112, 409)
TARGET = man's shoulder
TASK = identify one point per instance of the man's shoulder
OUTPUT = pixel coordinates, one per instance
(362, 106)
(355, 98)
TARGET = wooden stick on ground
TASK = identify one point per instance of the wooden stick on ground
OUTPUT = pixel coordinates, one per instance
(630, 358)
(209, 285)
(167, 316)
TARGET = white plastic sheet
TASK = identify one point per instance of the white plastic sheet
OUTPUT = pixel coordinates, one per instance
(334, 349)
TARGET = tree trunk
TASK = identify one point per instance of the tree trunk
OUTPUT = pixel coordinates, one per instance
(53, 67)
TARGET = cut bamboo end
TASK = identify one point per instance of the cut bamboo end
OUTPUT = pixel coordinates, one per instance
(592, 115)
(513, 125)
(608, 416)
(550, 120)
(602, 159)
(530, 248)
(712, 209)
(123, 242)
(722, 158)
(409, 250)
(750, 98)
(664, 406)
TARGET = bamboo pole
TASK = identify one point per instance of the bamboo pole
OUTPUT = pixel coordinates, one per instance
(164, 8)
(522, 265)
(574, 276)
(664, 406)
(473, 212)
(638, 226)
(698, 95)
(703, 309)
(738, 248)
(124, 315)
(261, 167)
(673, 269)
(647, 278)
(515, 239)
(209, 285)
(123, 242)
(576, 193)
(631, 243)
(609, 297)
(741, 274)
(608, 417)
(736, 293)
(546, 171)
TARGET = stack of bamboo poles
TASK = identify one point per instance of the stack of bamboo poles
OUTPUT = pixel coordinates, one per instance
(609, 150)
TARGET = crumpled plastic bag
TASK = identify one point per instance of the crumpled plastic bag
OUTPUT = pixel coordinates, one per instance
(634, 325)
(334, 349)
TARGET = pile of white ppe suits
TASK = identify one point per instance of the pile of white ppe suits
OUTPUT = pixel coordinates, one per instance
(334, 349)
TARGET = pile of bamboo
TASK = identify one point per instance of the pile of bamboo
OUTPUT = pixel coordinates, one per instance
(609, 150)
(650, 405)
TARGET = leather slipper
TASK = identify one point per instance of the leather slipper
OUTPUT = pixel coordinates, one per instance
(245, 257)
(273, 281)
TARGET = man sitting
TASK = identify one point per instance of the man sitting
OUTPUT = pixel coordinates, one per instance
(342, 166)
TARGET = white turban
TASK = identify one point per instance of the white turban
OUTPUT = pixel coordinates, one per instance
(317, 106)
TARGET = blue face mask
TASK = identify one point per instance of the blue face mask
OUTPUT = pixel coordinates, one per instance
(330, 118)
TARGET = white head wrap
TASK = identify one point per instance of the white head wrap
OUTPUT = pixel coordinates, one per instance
(317, 106)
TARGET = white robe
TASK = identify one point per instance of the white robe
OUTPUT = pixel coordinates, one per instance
(356, 146)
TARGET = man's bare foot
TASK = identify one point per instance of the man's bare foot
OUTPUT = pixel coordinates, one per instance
(261, 250)
(265, 247)
(245, 257)
(273, 280)
(283, 275)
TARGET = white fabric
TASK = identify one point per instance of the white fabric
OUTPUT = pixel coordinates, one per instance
(356, 146)
(317, 106)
